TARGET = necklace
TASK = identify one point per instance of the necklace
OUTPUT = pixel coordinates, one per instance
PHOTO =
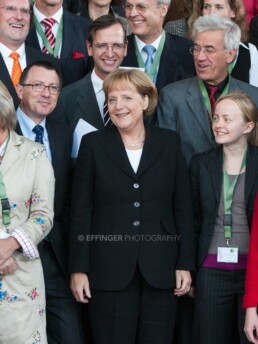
(134, 144)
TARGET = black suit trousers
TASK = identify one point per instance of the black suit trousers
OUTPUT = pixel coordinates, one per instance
(219, 317)
(138, 314)
(63, 313)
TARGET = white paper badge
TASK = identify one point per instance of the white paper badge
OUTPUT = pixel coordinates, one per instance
(227, 255)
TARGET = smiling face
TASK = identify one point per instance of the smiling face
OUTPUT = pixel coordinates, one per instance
(14, 23)
(220, 7)
(147, 22)
(107, 60)
(212, 67)
(126, 108)
(37, 105)
(229, 125)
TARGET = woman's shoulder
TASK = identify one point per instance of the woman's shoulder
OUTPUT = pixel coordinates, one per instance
(205, 156)
(27, 146)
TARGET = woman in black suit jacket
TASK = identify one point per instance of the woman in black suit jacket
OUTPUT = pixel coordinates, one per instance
(131, 233)
(223, 228)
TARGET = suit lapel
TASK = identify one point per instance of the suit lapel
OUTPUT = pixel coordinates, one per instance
(196, 104)
(32, 38)
(12, 154)
(251, 171)
(154, 142)
(114, 148)
(214, 166)
(88, 108)
(6, 79)
(68, 36)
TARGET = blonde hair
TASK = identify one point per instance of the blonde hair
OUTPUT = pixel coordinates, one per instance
(128, 78)
(248, 109)
(7, 110)
(235, 5)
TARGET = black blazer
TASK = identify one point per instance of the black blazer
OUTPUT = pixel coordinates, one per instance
(32, 55)
(74, 55)
(109, 199)
(176, 62)
(60, 146)
(206, 179)
(79, 101)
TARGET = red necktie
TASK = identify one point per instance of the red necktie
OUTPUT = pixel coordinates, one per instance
(212, 93)
(48, 23)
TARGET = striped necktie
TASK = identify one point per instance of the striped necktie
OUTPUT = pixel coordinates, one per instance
(106, 119)
(48, 23)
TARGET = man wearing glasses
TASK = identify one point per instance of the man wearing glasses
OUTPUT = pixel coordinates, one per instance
(15, 17)
(165, 57)
(186, 106)
(38, 91)
(83, 103)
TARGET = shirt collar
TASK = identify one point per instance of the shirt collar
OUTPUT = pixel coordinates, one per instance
(6, 51)
(141, 44)
(97, 82)
(221, 85)
(40, 16)
(28, 124)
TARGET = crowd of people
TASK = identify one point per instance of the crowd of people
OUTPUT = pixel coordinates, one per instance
(128, 172)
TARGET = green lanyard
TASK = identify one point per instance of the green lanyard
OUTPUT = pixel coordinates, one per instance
(206, 96)
(228, 198)
(4, 202)
(45, 40)
(156, 60)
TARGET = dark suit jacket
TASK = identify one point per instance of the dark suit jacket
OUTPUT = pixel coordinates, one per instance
(32, 55)
(176, 62)
(206, 179)
(60, 146)
(181, 108)
(109, 199)
(79, 101)
(75, 33)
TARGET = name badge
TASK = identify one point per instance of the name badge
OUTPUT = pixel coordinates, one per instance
(227, 255)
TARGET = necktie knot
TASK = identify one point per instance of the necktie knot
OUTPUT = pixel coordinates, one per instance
(38, 130)
(15, 56)
(149, 49)
(48, 23)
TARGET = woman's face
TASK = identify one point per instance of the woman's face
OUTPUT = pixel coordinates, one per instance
(229, 125)
(126, 107)
(220, 7)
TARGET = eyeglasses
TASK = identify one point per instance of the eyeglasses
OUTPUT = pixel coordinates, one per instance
(206, 50)
(37, 87)
(141, 8)
(116, 47)
(12, 10)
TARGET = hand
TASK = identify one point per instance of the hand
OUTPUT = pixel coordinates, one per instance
(8, 267)
(80, 287)
(251, 324)
(7, 247)
(183, 282)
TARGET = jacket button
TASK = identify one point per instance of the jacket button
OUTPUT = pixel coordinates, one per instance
(136, 204)
(136, 223)
(136, 185)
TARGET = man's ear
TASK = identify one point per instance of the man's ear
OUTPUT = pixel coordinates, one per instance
(19, 90)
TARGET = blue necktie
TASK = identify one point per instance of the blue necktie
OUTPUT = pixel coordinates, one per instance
(38, 130)
(149, 49)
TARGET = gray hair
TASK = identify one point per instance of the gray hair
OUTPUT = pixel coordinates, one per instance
(161, 2)
(232, 32)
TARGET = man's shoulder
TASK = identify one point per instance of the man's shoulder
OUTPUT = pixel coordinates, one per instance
(177, 41)
(72, 89)
(179, 87)
(76, 20)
